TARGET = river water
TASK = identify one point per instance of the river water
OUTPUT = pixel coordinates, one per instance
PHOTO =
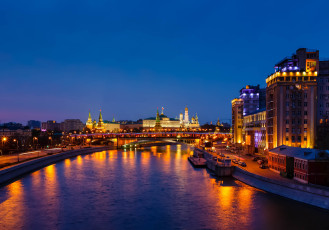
(152, 188)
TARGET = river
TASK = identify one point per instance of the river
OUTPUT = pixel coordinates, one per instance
(151, 188)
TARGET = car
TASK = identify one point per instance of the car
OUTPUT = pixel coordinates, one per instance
(243, 164)
(262, 166)
(255, 158)
(260, 162)
(234, 161)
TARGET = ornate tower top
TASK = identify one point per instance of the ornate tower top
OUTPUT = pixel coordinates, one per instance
(100, 116)
(186, 109)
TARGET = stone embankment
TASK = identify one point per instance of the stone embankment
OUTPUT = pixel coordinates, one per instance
(310, 194)
(12, 173)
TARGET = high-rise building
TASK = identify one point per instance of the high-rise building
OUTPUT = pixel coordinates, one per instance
(253, 99)
(237, 120)
(323, 106)
(32, 124)
(291, 101)
(50, 126)
(70, 125)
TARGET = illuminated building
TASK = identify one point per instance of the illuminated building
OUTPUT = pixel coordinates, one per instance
(254, 132)
(166, 122)
(253, 99)
(101, 126)
(237, 120)
(89, 123)
(291, 101)
(302, 164)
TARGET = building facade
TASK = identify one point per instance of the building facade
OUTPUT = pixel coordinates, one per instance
(291, 101)
(301, 164)
(254, 132)
(253, 99)
(32, 124)
(323, 106)
(70, 125)
(237, 120)
(163, 122)
(50, 126)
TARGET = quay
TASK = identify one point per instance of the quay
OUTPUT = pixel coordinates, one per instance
(13, 173)
(305, 193)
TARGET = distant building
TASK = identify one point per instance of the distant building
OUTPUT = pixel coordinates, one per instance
(161, 121)
(50, 126)
(12, 126)
(253, 99)
(291, 94)
(70, 125)
(302, 164)
(237, 120)
(254, 132)
(16, 132)
(171, 123)
(32, 124)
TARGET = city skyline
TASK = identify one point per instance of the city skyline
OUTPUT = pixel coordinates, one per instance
(65, 61)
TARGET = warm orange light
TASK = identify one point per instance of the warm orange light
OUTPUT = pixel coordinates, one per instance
(4, 139)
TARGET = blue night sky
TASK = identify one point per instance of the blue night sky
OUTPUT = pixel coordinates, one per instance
(60, 59)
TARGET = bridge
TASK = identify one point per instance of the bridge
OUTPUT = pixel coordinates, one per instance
(121, 139)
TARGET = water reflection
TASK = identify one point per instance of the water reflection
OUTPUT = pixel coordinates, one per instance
(154, 188)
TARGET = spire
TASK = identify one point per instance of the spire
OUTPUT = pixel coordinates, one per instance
(113, 120)
(100, 116)
(89, 117)
(157, 117)
(162, 111)
(157, 121)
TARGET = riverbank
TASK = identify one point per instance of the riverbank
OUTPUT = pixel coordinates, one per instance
(306, 193)
(11, 174)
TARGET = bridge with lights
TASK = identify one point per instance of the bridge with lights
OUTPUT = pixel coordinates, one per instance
(122, 139)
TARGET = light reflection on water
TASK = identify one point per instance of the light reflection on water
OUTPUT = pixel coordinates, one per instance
(152, 188)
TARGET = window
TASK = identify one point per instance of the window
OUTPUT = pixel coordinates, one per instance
(287, 130)
(305, 121)
(299, 138)
(287, 138)
(305, 112)
(305, 95)
(305, 104)
(287, 121)
(287, 103)
(305, 138)
(287, 113)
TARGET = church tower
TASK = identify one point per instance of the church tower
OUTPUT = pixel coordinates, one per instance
(157, 122)
(100, 124)
(89, 123)
(186, 120)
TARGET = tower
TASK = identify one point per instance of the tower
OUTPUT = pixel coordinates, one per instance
(157, 126)
(186, 120)
(181, 118)
(100, 124)
(89, 123)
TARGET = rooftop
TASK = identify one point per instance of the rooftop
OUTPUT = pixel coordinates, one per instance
(301, 153)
